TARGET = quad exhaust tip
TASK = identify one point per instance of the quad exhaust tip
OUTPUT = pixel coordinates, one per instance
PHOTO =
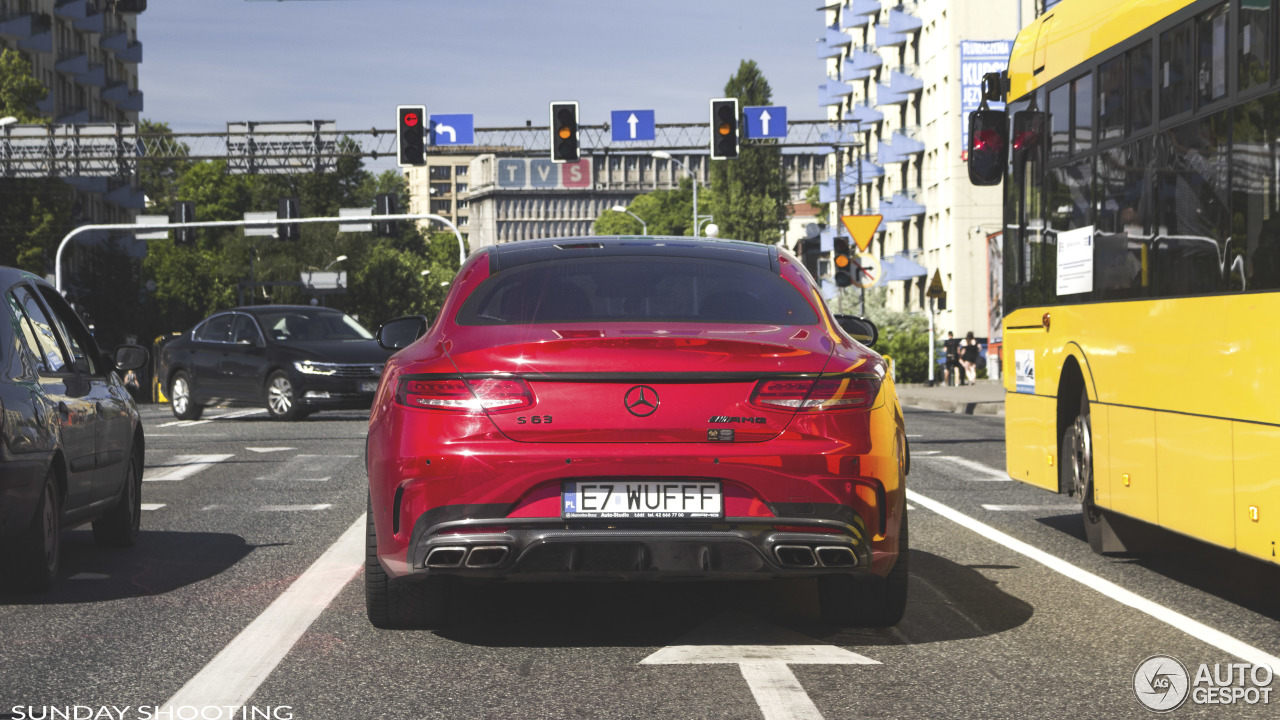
(836, 556)
(443, 557)
(796, 556)
(487, 556)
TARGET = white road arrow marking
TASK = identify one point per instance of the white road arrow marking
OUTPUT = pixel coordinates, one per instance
(268, 449)
(632, 122)
(441, 129)
(762, 652)
(764, 123)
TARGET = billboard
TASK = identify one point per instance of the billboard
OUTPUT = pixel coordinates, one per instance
(977, 58)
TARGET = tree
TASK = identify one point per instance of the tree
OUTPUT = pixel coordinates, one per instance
(665, 212)
(750, 194)
(904, 336)
(19, 90)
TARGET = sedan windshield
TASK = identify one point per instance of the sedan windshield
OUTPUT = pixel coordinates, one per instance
(636, 290)
(305, 325)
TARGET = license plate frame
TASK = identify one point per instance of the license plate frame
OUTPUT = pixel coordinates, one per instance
(677, 499)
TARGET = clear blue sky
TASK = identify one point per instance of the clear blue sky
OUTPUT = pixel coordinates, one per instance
(207, 62)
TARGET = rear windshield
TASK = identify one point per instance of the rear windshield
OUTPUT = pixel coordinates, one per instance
(303, 325)
(676, 290)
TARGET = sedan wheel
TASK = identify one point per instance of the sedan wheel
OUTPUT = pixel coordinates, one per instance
(184, 407)
(38, 550)
(282, 403)
(119, 526)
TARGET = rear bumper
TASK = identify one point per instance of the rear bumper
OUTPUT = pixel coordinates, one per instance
(537, 549)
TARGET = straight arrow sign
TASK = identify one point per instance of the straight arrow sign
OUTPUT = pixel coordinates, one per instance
(632, 125)
(764, 662)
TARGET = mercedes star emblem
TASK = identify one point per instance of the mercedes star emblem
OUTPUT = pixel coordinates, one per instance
(641, 401)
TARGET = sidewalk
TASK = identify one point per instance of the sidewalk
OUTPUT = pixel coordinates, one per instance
(984, 398)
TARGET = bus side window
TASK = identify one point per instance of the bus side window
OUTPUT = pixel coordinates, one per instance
(1254, 43)
(1253, 260)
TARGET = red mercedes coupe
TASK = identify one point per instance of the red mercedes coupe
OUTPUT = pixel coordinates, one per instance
(634, 408)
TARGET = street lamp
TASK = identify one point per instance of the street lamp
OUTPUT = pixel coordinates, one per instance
(664, 155)
(644, 227)
(8, 120)
(336, 260)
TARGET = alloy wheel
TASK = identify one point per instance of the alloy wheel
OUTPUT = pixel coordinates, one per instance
(181, 395)
(280, 396)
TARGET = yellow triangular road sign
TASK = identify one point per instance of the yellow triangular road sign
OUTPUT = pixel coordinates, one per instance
(935, 286)
(862, 228)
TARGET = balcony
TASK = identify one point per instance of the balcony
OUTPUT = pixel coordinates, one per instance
(905, 80)
(861, 63)
(125, 51)
(83, 14)
(885, 96)
(864, 115)
(837, 39)
(900, 208)
(849, 180)
(882, 36)
(73, 115)
(46, 106)
(903, 22)
(123, 98)
(40, 42)
(832, 92)
(872, 169)
(18, 27)
(899, 148)
(73, 63)
(825, 51)
(865, 8)
(851, 20)
(96, 77)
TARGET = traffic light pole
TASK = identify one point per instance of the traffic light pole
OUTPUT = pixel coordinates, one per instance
(57, 261)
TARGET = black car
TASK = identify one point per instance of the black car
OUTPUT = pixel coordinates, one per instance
(71, 445)
(292, 359)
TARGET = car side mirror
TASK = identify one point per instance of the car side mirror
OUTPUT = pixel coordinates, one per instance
(859, 328)
(130, 357)
(401, 332)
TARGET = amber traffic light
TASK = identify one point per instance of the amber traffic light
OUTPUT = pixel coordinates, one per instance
(724, 129)
(564, 132)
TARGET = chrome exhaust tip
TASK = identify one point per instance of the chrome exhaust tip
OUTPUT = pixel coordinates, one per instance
(796, 556)
(444, 557)
(487, 556)
(836, 556)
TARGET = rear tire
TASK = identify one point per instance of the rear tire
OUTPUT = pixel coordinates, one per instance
(868, 601)
(120, 525)
(181, 401)
(394, 604)
(38, 550)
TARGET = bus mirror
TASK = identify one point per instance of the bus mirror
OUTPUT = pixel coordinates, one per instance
(987, 143)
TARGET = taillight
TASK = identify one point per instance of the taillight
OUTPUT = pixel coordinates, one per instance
(487, 394)
(857, 392)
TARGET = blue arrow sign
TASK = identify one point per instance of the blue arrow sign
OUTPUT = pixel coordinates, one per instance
(766, 122)
(632, 125)
(453, 129)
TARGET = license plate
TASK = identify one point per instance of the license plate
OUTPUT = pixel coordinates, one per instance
(675, 500)
(368, 386)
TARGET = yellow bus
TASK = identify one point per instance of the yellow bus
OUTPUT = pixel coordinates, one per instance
(1140, 156)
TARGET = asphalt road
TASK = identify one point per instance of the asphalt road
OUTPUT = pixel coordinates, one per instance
(243, 506)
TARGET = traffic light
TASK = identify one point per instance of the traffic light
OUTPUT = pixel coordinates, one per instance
(724, 129)
(288, 209)
(184, 211)
(386, 204)
(841, 262)
(564, 132)
(411, 134)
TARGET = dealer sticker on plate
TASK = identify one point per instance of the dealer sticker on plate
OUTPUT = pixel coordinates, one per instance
(675, 500)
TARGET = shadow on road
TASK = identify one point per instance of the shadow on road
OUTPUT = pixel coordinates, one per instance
(1252, 584)
(161, 562)
(947, 601)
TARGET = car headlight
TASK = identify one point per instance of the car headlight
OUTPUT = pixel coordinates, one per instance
(309, 368)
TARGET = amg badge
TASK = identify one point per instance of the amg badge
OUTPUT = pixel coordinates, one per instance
(722, 419)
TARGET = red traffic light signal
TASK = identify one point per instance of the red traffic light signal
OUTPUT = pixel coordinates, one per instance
(411, 135)
(724, 129)
(564, 132)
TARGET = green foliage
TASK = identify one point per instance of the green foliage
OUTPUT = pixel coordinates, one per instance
(19, 90)
(812, 196)
(667, 212)
(904, 336)
(751, 194)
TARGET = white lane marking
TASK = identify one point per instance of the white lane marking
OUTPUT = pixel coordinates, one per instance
(1031, 508)
(181, 467)
(910, 506)
(305, 455)
(233, 675)
(914, 436)
(268, 449)
(319, 479)
(152, 506)
(985, 474)
(185, 436)
(1175, 619)
(295, 508)
(239, 414)
(184, 423)
(764, 666)
(207, 508)
(925, 452)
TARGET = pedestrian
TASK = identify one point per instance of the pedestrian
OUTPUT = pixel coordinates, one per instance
(969, 357)
(951, 371)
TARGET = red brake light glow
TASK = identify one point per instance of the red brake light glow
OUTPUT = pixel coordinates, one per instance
(486, 394)
(847, 393)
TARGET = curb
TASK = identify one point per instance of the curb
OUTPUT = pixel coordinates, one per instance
(995, 408)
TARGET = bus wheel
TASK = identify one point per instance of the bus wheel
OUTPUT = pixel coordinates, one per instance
(1075, 472)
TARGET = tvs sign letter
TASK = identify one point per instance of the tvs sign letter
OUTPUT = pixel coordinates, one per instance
(542, 174)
